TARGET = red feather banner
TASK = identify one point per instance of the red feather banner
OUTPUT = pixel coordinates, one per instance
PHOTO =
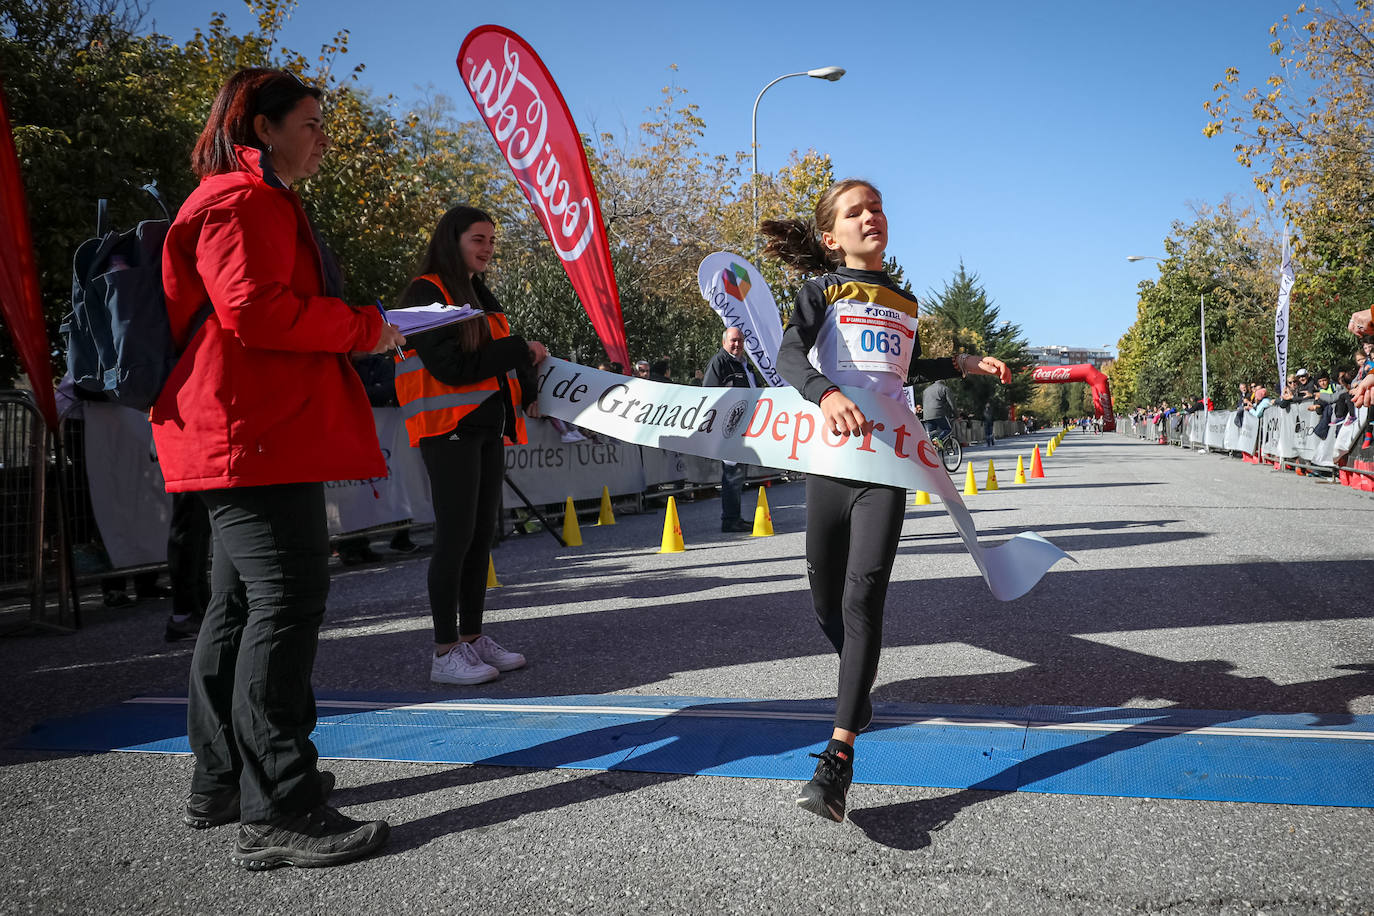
(522, 107)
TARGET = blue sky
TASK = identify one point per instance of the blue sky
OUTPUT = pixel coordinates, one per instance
(1039, 142)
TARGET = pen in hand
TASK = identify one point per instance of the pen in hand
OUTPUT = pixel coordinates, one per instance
(399, 351)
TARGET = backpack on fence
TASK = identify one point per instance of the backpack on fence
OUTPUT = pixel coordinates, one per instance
(119, 341)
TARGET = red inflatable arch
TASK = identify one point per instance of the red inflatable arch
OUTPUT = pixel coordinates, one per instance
(1102, 392)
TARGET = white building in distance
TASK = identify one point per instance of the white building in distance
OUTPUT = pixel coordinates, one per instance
(1069, 356)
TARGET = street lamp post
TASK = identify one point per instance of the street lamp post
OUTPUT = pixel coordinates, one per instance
(821, 73)
(1202, 319)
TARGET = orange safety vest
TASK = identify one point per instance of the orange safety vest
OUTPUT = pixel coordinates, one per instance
(432, 408)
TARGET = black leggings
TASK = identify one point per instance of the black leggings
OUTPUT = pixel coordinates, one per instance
(465, 477)
(852, 530)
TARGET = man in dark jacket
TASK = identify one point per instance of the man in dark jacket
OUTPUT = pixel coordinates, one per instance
(727, 370)
(937, 408)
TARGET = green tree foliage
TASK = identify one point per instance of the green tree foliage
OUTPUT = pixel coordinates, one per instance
(1053, 402)
(88, 104)
(100, 108)
(1306, 133)
(960, 318)
(1224, 257)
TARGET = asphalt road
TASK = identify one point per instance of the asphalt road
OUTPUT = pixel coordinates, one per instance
(1199, 582)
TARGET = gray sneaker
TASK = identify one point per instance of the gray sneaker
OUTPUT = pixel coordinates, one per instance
(491, 652)
(319, 838)
(461, 665)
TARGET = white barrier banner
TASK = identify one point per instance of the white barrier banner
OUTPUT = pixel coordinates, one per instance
(1301, 422)
(1271, 431)
(352, 505)
(1242, 438)
(1215, 426)
(1324, 450)
(735, 289)
(662, 467)
(1233, 428)
(777, 428)
(1288, 433)
(1194, 428)
(1348, 435)
(549, 470)
(129, 498)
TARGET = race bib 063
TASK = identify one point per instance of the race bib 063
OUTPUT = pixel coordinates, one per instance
(872, 338)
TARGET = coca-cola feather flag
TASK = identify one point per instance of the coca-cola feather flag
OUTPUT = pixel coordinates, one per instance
(530, 122)
(20, 301)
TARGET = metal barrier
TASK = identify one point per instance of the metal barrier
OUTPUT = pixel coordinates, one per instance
(1286, 439)
(34, 548)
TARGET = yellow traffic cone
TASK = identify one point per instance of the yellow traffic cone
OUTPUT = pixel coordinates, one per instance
(992, 476)
(572, 535)
(607, 516)
(672, 530)
(763, 519)
(1020, 470)
(922, 498)
(1049, 449)
(491, 573)
(970, 485)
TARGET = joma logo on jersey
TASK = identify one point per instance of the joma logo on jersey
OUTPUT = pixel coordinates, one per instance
(881, 312)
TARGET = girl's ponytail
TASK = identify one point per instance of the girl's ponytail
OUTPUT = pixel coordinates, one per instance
(796, 243)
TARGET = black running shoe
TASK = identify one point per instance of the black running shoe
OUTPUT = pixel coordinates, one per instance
(825, 793)
(211, 809)
(318, 838)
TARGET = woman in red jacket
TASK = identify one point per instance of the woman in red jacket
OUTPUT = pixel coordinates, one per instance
(261, 408)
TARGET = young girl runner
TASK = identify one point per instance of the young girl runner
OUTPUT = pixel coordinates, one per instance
(852, 526)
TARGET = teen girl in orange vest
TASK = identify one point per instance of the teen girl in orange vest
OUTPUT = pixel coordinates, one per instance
(462, 389)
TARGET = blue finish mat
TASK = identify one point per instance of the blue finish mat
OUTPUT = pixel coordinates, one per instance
(1154, 753)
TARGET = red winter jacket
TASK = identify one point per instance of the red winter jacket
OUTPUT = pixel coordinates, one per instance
(264, 393)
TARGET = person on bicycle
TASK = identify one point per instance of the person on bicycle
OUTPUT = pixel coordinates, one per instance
(937, 409)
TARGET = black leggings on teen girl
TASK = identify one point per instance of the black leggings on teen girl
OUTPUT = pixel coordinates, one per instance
(466, 470)
(852, 529)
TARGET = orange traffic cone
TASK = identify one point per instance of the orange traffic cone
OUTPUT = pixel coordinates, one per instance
(763, 519)
(1020, 470)
(572, 535)
(1037, 469)
(672, 530)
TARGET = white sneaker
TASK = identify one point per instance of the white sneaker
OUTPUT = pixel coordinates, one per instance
(572, 435)
(460, 665)
(490, 652)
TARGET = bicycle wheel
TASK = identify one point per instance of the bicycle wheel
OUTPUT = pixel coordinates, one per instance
(951, 453)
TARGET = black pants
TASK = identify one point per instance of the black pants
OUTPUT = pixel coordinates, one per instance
(852, 529)
(465, 477)
(251, 704)
(732, 479)
(188, 554)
